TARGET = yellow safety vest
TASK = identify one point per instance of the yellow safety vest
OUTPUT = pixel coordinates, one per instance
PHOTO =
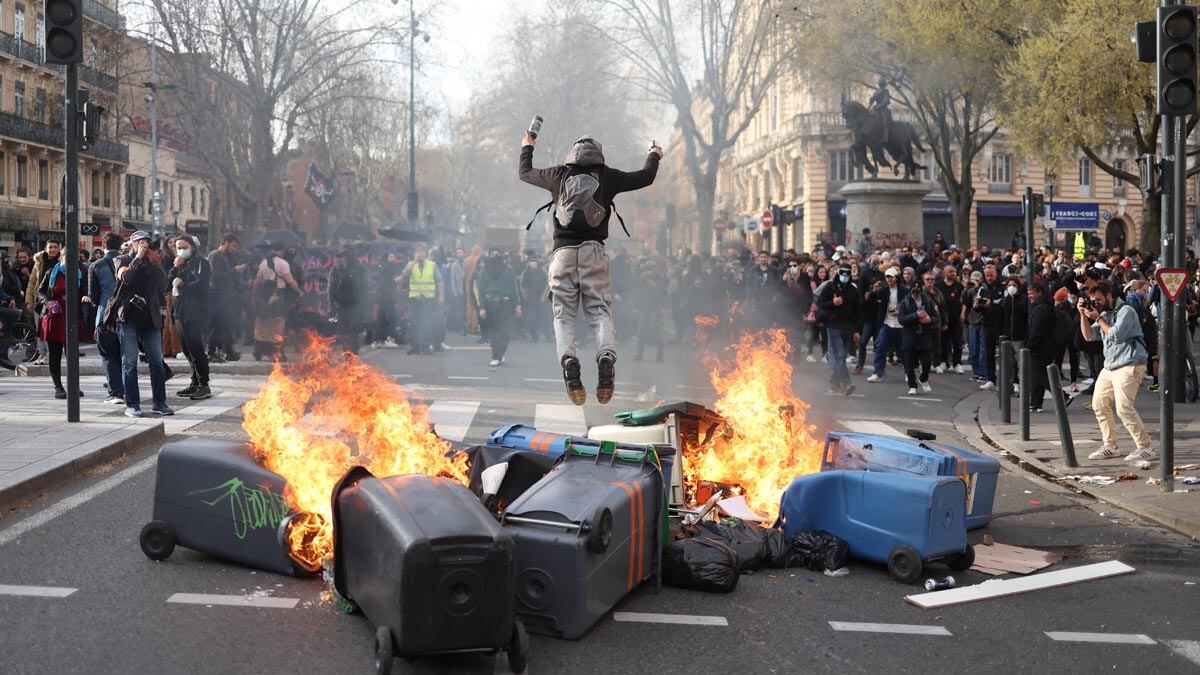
(422, 284)
(1080, 246)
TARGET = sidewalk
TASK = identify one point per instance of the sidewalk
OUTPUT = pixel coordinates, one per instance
(978, 417)
(40, 450)
(90, 364)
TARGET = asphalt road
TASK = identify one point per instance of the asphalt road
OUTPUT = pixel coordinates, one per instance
(119, 620)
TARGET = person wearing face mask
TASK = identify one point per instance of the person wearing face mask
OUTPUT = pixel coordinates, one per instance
(1104, 318)
(1066, 329)
(425, 293)
(841, 307)
(920, 323)
(533, 283)
(795, 303)
(952, 338)
(887, 299)
(189, 280)
(498, 298)
(135, 312)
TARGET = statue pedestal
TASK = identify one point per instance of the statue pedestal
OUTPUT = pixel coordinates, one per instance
(891, 208)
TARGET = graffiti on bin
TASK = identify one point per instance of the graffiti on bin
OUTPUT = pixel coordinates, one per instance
(249, 508)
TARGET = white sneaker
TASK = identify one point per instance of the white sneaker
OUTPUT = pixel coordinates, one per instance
(987, 385)
(1141, 453)
(874, 378)
(1016, 388)
(958, 369)
(912, 391)
(825, 359)
(940, 369)
(926, 388)
(1105, 452)
(1087, 382)
(852, 360)
(811, 359)
(390, 344)
(494, 363)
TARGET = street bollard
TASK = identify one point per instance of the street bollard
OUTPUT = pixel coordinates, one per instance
(1004, 381)
(1060, 412)
(1023, 368)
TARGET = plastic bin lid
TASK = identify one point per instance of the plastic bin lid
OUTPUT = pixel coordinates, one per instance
(647, 416)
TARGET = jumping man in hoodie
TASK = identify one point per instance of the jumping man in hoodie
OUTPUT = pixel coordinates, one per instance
(582, 191)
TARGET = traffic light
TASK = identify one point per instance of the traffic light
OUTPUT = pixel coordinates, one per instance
(1176, 61)
(64, 31)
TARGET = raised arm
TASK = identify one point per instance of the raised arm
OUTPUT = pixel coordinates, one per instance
(543, 178)
(621, 181)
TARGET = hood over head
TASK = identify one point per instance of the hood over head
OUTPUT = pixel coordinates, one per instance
(585, 152)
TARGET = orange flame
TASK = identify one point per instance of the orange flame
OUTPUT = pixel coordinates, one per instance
(766, 442)
(327, 414)
(702, 321)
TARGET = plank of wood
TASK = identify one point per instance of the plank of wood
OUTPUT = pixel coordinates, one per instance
(996, 588)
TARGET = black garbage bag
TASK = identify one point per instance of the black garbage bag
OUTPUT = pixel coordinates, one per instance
(524, 469)
(756, 546)
(817, 550)
(700, 565)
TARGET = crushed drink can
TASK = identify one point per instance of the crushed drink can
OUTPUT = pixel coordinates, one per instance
(939, 584)
(535, 127)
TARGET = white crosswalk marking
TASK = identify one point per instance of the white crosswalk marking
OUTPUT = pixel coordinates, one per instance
(268, 602)
(1188, 649)
(452, 419)
(1112, 638)
(37, 591)
(560, 419)
(870, 427)
(906, 629)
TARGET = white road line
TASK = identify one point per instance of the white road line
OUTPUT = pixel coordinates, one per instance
(452, 419)
(1188, 649)
(543, 379)
(233, 600)
(871, 427)
(906, 629)
(694, 387)
(466, 377)
(918, 398)
(37, 591)
(681, 619)
(1114, 638)
(74, 501)
(402, 377)
(559, 419)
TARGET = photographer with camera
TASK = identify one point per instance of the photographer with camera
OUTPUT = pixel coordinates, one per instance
(1106, 319)
(921, 323)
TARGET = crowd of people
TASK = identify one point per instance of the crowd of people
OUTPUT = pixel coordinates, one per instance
(920, 308)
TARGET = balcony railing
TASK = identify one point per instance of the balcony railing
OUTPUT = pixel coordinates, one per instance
(20, 128)
(93, 76)
(26, 51)
(97, 12)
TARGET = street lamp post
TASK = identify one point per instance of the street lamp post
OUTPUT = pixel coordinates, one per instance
(413, 197)
(156, 207)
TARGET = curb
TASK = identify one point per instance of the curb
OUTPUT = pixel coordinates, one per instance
(63, 473)
(972, 420)
(93, 369)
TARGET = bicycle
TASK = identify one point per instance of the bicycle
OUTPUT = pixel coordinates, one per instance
(18, 338)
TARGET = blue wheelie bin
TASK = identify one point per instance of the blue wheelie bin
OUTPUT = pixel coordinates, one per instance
(893, 454)
(897, 519)
(524, 437)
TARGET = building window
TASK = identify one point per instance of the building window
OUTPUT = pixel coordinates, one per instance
(39, 106)
(43, 179)
(1118, 184)
(841, 168)
(3, 172)
(1001, 169)
(1085, 177)
(180, 202)
(107, 189)
(95, 188)
(798, 178)
(41, 36)
(193, 200)
(19, 99)
(19, 22)
(22, 176)
(135, 197)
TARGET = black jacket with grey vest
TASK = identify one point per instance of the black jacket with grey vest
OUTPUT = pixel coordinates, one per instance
(612, 183)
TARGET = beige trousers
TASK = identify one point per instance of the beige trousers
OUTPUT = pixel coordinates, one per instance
(579, 277)
(1119, 386)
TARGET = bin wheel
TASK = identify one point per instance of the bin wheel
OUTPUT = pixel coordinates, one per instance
(518, 648)
(961, 562)
(383, 651)
(904, 564)
(600, 535)
(157, 540)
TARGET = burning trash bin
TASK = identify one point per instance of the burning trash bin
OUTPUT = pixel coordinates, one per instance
(211, 496)
(874, 452)
(427, 565)
(587, 534)
(897, 519)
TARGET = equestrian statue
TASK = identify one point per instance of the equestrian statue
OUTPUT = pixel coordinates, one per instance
(874, 130)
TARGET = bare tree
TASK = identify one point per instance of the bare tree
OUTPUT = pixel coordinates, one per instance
(249, 70)
(714, 66)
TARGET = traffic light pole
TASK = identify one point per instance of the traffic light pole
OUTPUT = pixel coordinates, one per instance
(71, 202)
(1166, 364)
(1029, 257)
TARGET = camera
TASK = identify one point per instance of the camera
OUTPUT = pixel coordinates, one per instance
(1088, 304)
(980, 301)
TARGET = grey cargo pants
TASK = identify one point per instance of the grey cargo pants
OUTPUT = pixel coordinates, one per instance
(579, 276)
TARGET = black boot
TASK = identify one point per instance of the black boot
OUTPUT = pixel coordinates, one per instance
(200, 393)
(187, 391)
(605, 383)
(574, 381)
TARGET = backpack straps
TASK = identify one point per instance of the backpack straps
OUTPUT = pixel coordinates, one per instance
(545, 207)
(621, 220)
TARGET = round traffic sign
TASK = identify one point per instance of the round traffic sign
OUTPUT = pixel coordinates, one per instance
(767, 219)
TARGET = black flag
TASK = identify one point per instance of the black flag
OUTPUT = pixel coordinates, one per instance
(318, 187)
